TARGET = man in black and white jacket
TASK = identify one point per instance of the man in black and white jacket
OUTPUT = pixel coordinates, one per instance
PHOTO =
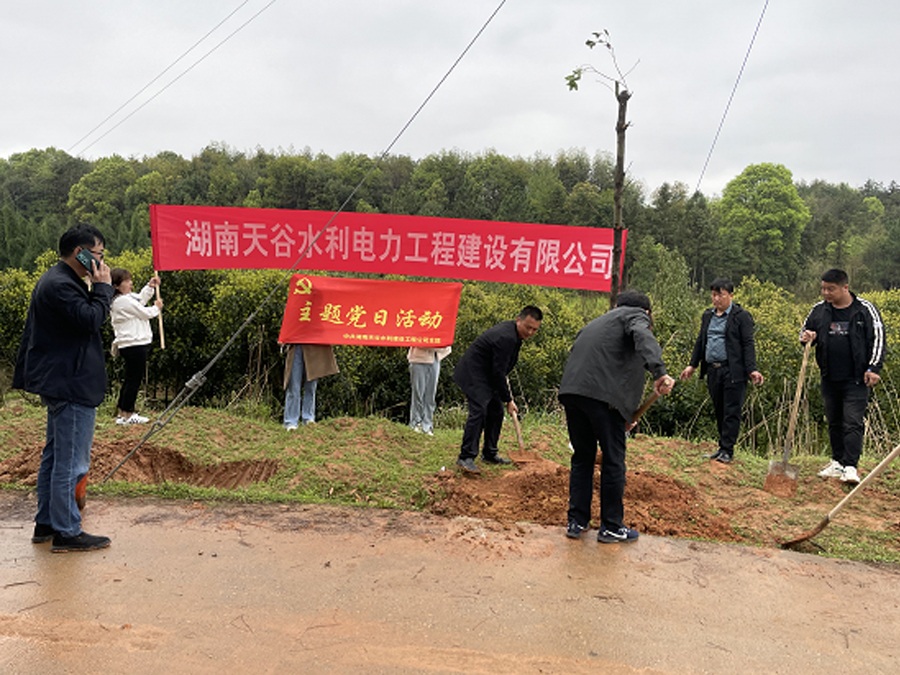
(849, 337)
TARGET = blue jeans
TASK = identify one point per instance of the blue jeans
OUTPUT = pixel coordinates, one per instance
(423, 380)
(65, 461)
(300, 398)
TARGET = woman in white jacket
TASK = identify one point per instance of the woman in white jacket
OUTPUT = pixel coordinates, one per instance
(130, 318)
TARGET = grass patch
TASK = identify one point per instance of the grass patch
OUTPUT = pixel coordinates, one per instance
(373, 461)
(860, 544)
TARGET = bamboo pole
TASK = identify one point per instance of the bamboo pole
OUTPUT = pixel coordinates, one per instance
(162, 335)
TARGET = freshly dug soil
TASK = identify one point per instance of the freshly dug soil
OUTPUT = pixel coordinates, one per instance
(663, 495)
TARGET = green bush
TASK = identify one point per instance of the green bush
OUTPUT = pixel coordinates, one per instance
(15, 291)
(203, 309)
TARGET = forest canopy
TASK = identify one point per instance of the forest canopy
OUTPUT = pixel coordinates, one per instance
(763, 224)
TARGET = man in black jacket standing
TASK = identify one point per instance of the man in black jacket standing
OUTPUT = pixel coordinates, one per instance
(61, 359)
(600, 390)
(481, 374)
(849, 337)
(726, 353)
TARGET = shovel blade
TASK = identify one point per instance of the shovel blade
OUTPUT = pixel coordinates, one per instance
(790, 471)
(781, 479)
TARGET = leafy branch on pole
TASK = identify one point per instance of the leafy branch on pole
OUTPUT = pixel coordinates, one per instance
(622, 93)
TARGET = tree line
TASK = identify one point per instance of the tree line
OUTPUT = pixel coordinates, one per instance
(771, 236)
(763, 225)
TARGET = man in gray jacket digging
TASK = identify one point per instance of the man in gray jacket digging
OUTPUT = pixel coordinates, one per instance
(601, 389)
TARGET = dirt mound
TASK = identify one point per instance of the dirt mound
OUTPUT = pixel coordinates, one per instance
(150, 464)
(781, 485)
(670, 490)
(538, 492)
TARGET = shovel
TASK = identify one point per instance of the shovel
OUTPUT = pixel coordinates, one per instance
(638, 414)
(522, 455)
(782, 477)
(831, 514)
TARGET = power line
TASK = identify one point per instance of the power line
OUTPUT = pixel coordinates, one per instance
(166, 70)
(191, 387)
(731, 98)
(183, 73)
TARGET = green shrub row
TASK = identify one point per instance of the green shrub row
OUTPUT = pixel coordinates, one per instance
(204, 309)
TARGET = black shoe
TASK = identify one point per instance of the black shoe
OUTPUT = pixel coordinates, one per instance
(724, 457)
(468, 465)
(624, 535)
(82, 542)
(713, 455)
(574, 530)
(42, 533)
(496, 459)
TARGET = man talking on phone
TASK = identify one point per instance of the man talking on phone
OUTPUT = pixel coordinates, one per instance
(61, 359)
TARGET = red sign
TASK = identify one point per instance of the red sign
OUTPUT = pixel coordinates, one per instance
(324, 310)
(207, 237)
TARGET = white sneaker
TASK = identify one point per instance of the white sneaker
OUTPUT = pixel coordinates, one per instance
(849, 475)
(134, 418)
(833, 470)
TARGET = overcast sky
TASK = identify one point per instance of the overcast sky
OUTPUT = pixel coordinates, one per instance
(819, 93)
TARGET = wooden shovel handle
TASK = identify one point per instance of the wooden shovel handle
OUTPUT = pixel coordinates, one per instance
(515, 419)
(162, 335)
(865, 481)
(795, 404)
(645, 406)
(840, 505)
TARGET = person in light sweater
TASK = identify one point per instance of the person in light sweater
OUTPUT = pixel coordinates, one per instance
(424, 370)
(130, 316)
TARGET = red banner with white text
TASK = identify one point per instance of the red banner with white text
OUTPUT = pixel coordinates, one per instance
(325, 310)
(207, 237)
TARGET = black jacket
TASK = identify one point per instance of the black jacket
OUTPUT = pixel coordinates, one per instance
(608, 359)
(482, 370)
(867, 342)
(61, 352)
(740, 349)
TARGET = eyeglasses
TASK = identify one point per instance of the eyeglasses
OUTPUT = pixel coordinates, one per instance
(97, 254)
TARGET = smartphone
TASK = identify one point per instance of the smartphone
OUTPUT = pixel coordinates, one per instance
(85, 258)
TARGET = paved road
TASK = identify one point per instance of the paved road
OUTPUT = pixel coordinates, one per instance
(310, 589)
